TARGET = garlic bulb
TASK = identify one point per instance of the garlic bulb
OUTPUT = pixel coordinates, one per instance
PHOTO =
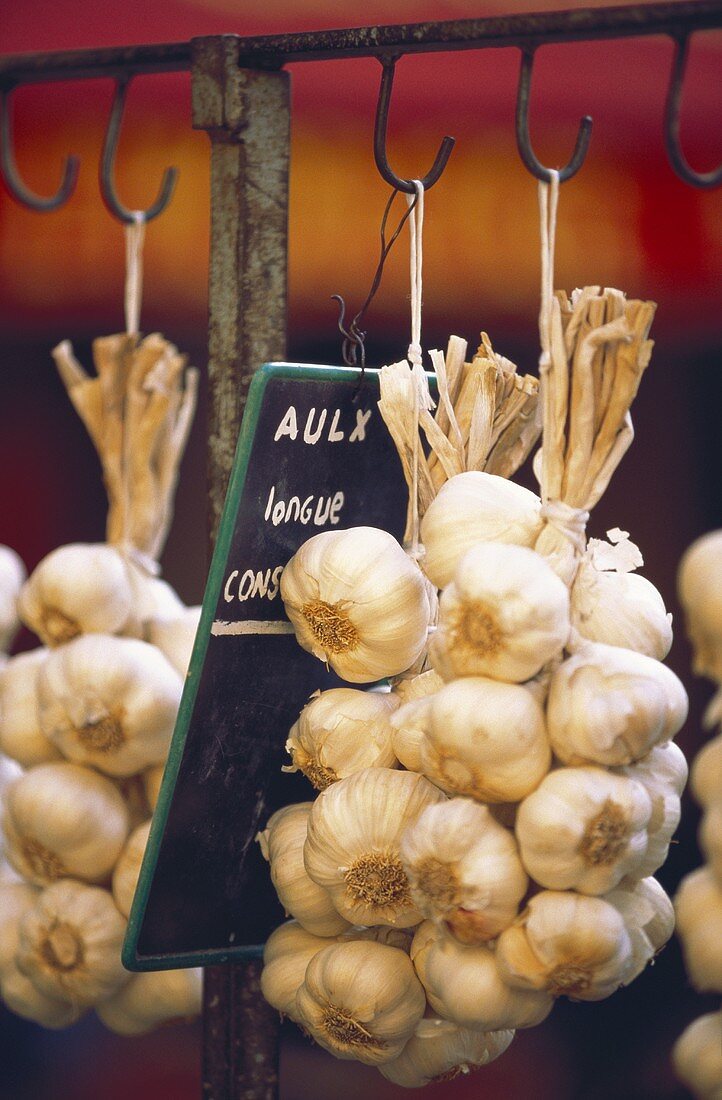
(132, 790)
(151, 999)
(649, 918)
(611, 706)
(127, 870)
(15, 899)
(698, 905)
(342, 731)
(440, 1051)
(352, 848)
(10, 770)
(710, 837)
(61, 820)
(282, 844)
(70, 943)
(463, 984)
(475, 507)
(700, 594)
(361, 1000)
(622, 609)
(583, 829)
(504, 615)
(483, 738)
(288, 951)
(358, 602)
(697, 1057)
(174, 637)
(12, 575)
(663, 774)
(463, 868)
(20, 734)
(153, 599)
(109, 702)
(705, 777)
(77, 589)
(567, 943)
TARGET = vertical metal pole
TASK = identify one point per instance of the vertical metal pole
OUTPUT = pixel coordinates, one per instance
(246, 114)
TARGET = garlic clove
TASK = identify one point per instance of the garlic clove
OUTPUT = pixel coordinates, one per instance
(109, 702)
(475, 507)
(127, 870)
(504, 615)
(77, 589)
(20, 734)
(282, 843)
(710, 838)
(567, 943)
(463, 869)
(420, 686)
(151, 999)
(175, 635)
(70, 942)
(361, 1000)
(352, 848)
(697, 1057)
(706, 773)
(15, 900)
(357, 602)
(152, 599)
(621, 609)
(698, 905)
(64, 820)
(444, 1051)
(22, 998)
(700, 594)
(583, 829)
(12, 576)
(611, 706)
(663, 774)
(463, 984)
(152, 779)
(342, 731)
(648, 914)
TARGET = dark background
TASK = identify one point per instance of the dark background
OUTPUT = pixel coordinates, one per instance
(624, 221)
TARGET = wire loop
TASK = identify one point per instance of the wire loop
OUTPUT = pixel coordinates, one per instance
(15, 185)
(671, 124)
(523, 140)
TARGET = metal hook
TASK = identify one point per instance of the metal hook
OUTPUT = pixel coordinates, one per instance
(13, 182)
(380, 127)
(107, 165)
(522, 130)
(671, 124)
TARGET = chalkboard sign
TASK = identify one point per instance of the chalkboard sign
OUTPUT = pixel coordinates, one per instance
(313, 455)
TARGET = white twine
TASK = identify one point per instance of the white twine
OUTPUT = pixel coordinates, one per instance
(415, 353)
(134, 238)
(569, 521)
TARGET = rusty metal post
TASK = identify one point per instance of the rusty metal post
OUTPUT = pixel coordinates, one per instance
(246, 114)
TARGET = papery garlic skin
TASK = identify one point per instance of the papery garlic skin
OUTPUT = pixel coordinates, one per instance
(463, 984)
(440, 1051)
(357, 602)
(583, 829)
(611, 706)
(484, 739)
(282, 844)
(697, 1057)
(174, 636)
(63, 820)
(151, 999)
(127, 870)
(352, 848)
(420, 686)
(663, 774)
(567, 943)
(504, 615)
(705, 778)
(622, 609)
(361, 1000)
(648, 915)
(77, 589)
(342, 731)
(698, 905)
(700, 593)
(464, 869)
(288, 951)
(20, 734)
(475, 507)
(109, 702)
(70, 943)
(12, 576)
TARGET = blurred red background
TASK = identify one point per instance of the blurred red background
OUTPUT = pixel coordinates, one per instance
(625, 221)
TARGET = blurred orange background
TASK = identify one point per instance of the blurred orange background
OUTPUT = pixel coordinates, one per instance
(625, 221)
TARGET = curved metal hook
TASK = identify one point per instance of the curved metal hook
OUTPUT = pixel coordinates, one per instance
(107, 165)
(380, 127)
(13, 182)
(671, 125)
(522, 130)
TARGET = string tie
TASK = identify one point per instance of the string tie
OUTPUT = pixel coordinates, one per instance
(134, 238)
(568, 521)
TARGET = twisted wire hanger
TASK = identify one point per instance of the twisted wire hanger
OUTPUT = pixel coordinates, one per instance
(14, 182)
(523, 140)
(107, 167)
(671, 124)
